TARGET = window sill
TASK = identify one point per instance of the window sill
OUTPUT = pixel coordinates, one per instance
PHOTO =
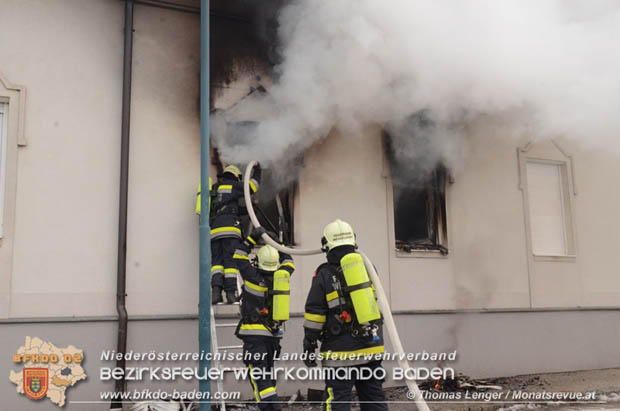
(556, 258)
(420, 254)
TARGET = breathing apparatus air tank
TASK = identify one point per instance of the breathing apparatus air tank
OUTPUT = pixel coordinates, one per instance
(198, 194)
(359, 288)
(281, 295)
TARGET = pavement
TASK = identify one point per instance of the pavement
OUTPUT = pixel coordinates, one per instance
(602, 385)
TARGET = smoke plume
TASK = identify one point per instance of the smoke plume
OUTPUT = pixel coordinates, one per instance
(347, 64)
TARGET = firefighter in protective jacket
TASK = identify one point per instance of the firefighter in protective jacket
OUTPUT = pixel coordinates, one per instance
(341, 312)
(226, 206)
(264, 309)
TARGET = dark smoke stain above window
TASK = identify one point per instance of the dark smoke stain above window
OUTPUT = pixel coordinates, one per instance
(419, 189)
(243, 38)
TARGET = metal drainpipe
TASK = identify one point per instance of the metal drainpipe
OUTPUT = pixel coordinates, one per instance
(204, 299)
(121, 272)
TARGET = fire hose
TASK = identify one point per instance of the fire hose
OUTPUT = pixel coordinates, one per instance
(382, 301)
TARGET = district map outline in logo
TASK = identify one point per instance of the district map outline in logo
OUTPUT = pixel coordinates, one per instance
(36, 382)
(46, 371)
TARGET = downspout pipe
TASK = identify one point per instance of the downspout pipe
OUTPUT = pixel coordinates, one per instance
(121, 267)
(204, 297)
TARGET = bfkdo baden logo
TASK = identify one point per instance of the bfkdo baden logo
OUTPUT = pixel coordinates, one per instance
(48, 370)
(35, 382)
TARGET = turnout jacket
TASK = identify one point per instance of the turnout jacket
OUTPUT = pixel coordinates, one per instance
(227, 205)
(324, 310)
(256, 299)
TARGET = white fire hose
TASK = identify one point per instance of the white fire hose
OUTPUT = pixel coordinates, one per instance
(382, 301)
(255, 223)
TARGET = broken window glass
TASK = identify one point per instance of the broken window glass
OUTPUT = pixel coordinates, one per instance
(419, 198)
(275, 209)
(419, 213)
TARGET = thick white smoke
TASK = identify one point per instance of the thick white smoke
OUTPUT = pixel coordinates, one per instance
(351, 63)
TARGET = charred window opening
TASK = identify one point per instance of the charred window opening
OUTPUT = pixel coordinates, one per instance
(276, 193)
(419, 204)
(419, 213)
(275, 208)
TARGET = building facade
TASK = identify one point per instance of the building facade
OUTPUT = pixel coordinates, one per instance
(515, 266)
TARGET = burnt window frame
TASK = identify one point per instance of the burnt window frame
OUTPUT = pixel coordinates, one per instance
(439, 180)
(287, 198)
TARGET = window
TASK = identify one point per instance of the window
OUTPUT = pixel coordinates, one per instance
(3, 160)
(236, 127)
(12, 122)
(549, 208)
(275, 208)
(419, 199)
(420, 213)
(276, 196)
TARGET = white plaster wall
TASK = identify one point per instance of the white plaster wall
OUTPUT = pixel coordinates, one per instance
(597, 202)
(343, 178)
(69, 57)
(486, 225)
(162, 245)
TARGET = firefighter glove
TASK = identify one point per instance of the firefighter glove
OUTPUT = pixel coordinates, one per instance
(257, 233)
(310, 352)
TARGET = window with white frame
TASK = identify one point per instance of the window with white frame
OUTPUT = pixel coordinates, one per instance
(549, 208)
(3, 150)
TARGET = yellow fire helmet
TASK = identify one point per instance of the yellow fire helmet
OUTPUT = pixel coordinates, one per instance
(268, 258)
(234, 170)
(337, 233)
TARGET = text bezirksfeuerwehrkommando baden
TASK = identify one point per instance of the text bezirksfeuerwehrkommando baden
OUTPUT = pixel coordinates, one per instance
(286, 373)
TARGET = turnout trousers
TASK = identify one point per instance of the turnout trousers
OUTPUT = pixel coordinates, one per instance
(337, 395)
(263, 350)
(224, 270)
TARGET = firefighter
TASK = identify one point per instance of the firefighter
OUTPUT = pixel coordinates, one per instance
(264, 309)
(341, 312)
(226, 199)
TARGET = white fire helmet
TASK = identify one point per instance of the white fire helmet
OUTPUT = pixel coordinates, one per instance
(234, 170)
(268, 258)
(337, 233)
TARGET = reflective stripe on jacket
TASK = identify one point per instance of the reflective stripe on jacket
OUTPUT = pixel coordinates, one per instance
(256, 298)
(324, 305)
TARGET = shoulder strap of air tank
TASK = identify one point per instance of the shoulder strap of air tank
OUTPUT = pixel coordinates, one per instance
(357, 287)
(337, 272)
